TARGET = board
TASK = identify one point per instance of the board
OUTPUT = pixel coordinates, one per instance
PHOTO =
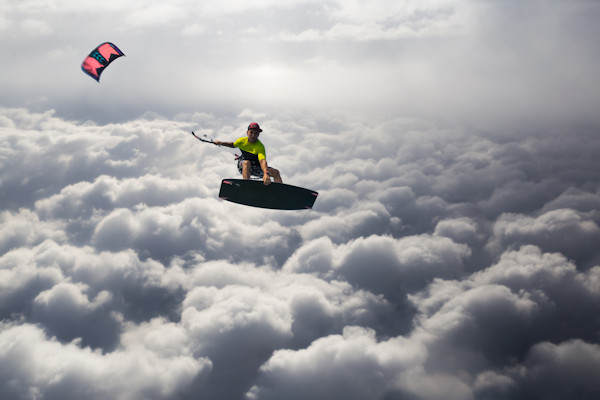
(277, 196)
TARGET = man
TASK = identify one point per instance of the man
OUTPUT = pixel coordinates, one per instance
(253, 160)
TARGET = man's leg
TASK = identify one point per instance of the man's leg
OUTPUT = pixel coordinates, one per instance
(275, 175)
(246, 166)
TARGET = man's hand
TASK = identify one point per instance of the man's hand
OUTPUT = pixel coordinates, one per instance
(266, 179)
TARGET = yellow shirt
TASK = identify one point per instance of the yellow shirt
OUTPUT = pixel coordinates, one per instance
(251, 151)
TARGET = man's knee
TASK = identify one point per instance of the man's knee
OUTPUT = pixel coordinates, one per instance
(275, 175)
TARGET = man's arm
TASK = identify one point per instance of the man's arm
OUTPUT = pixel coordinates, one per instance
(226, 144)
(265, 169)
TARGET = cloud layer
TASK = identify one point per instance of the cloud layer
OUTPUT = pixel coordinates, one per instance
(452, 252)
(451, 264)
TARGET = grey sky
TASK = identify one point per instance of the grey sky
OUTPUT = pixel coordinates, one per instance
(452, 252)
(475, 61)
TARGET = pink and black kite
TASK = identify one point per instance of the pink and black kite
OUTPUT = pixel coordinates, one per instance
(99, 58)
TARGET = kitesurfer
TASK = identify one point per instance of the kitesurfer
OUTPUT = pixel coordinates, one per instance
(253, 160)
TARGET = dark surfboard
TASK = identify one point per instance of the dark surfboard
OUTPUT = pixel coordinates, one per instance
(277, 196)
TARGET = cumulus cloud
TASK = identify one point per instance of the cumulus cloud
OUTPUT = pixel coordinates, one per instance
(45, 367)
(424, 268)
(451, 254)
(563, 230)
(351, 365)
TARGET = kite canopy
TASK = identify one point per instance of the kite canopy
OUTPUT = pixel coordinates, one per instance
(99, 58)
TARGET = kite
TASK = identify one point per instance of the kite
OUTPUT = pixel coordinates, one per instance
(99, 58)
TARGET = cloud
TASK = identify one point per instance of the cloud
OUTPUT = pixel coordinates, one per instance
(155, 15)
(452, 252)
(381, 264)
(563, 230)
(53, 369)
(352, 365)
(384, 20)
(496, 315)
(565, 369)
(25, 228)
(433, 59)
(506, 309)
(67, 312)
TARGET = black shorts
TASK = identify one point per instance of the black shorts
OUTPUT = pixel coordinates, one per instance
(255, 169)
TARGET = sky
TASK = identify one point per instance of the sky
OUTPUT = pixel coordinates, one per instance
(452, 252)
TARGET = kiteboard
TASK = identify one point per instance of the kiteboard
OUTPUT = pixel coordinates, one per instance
(277, 196)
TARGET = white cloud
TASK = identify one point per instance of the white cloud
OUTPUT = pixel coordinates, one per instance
(155, 15)
(24, 228)
(389, 20)
(353, 365)
(69, 298)
(438, 254)
(42, 366)
(564, 230)
(506, 308)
